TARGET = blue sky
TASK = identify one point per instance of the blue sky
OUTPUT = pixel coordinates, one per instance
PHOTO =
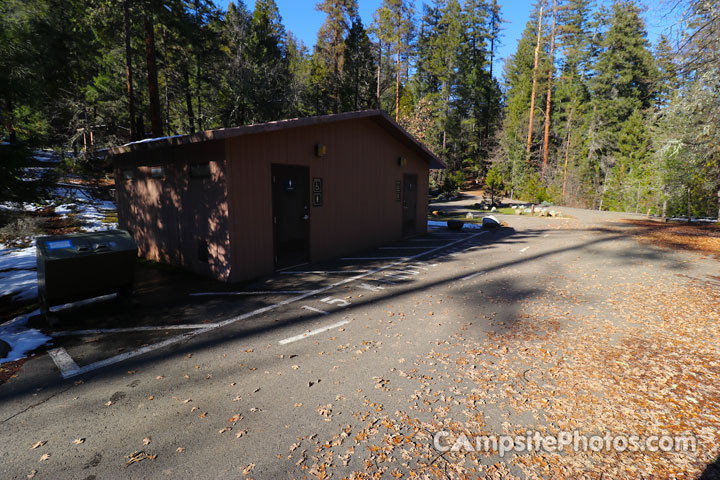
(301, 18)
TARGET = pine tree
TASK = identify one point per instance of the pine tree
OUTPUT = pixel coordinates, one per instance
(235, 94)
(331, 42)
(268, 63)
(358, 82)
(395, 27)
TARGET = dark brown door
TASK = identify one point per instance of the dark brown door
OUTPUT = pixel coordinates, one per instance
(291, 214)
(409, 205)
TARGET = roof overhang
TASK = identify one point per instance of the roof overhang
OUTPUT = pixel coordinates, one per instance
(380, 117)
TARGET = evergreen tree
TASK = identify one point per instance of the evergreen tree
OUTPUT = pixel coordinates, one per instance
(331, 43)
(358, 82)
(395, 28)
(235, 94)
(269, 69)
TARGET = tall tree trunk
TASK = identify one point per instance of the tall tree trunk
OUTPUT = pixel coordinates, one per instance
(153, 90)
(546, 139)
(128, 72)
(567, 146)
(397, 86)
(12, 135)
(378, 72)
(188, 100)
(488, 92)
(534, 86)
(336, 72)
(198, 73)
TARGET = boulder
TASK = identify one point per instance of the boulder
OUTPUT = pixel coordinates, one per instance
(519, 211)
(493, 209)
(490, 222)
(4, 348)
(470, 215)
(455, 224)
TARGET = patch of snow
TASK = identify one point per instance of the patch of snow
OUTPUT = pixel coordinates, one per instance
(21, 338)
(694, 219)
(18, 276)
(149, 140)
(45, 156)
(468, 225)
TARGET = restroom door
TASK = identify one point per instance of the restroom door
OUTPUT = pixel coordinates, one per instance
(291, 215)
(409, 205)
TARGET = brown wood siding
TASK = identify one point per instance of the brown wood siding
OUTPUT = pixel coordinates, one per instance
(169, 216)
(359, 173)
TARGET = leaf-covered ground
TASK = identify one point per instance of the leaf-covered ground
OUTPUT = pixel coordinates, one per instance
(610, 350)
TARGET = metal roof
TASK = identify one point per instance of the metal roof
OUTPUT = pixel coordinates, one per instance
(378, 116)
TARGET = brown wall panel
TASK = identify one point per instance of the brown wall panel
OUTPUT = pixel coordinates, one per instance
(168, 216)
(359, 172)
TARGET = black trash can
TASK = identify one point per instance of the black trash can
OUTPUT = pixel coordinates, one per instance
(85, 265)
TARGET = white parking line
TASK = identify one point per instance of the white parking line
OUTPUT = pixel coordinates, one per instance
(401, 248)
(316, 310)
(471, 276)
(63, 361)
(170, 341)
(104, 331)
(313, 332)
(376, 258)
(268, 292)
(322, 272)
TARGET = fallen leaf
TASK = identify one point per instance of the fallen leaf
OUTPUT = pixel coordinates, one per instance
(223, 430)
(44, 457)
(159, 377)
(248, 469)
(180, 449)
(138, 457)
(147, 440)
(151, 397)
(325, 410)
(299, 404)
(132, 372)
(295, 367)
(203, 415)
(32, 474)
(78, 441)
(241, 433)
(235, 418)
(108, 403)
(39, 444)
(187, 401)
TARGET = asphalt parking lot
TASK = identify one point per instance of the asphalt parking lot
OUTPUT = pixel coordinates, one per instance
(349, 368)
(171, 307)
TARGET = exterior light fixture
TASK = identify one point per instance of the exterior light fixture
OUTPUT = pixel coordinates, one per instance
(320, 150)
(402, 161)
